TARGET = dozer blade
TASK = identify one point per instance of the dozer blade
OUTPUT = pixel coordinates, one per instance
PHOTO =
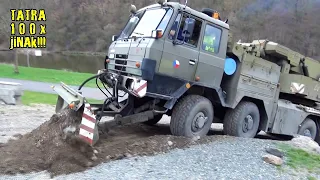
(70, 98)
(89, 126)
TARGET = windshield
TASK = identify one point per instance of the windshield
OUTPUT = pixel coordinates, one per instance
(142, 24)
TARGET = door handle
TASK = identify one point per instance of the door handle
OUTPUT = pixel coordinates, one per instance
(192, 62)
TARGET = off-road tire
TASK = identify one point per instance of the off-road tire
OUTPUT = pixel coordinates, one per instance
(234, 119)
(310, 125)
(154, 121)
(318, 137)
(184, 113)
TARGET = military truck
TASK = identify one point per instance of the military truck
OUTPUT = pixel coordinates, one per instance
(171, 59)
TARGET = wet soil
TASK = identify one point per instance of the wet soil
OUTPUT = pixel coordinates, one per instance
(47, 147)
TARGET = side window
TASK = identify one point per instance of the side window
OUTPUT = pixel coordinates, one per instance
(174, 27)
(186, 32)
(163, 25)
(211, 39)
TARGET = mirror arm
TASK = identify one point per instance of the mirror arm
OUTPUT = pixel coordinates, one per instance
(114, 38)
(174, 42)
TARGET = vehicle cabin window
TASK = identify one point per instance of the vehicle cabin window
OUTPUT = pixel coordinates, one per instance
(211, 39)
(164, 22)
(186, 33)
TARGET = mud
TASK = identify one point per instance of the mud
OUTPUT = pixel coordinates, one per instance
(47, 148)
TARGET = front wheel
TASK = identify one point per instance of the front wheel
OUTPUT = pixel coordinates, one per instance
(192, 116)
(243, 121)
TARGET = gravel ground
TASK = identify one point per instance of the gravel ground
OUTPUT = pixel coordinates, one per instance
(225, 158)
(21, 119)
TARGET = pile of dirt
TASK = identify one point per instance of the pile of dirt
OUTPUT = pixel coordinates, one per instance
(47, 147)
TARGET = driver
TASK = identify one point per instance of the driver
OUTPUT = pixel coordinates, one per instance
(175, 28)
(209, 40)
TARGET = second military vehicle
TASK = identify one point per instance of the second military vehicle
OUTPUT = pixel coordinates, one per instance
(171, 59)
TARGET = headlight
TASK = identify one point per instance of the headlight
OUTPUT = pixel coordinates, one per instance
(111, 56)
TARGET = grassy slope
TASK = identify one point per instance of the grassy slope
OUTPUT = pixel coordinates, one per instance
(299, 159)
(30, 97)
(46, 75)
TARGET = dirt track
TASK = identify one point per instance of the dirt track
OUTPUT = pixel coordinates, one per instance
(45, 149)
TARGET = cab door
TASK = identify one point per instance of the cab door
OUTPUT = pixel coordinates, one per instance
(180, 60)
(212, 55)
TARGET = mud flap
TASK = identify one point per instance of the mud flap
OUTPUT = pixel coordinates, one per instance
(89, 126)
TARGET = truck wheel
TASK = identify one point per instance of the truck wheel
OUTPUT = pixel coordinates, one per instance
(243, 121)
(308, 128)
(192, 116)
(153, 121)
(318, 137)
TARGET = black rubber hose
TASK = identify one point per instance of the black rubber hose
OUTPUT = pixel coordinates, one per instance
(106, 89)
(100, 88)
(95, 76)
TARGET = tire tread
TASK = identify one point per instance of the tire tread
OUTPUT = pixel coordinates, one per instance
(231, 120)
(181, 111)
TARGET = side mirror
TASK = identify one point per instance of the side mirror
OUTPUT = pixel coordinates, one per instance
(156, 34)
(188, 28)
(114, 38)
(133, 9)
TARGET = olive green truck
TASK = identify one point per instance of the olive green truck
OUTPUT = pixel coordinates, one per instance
(171, 59)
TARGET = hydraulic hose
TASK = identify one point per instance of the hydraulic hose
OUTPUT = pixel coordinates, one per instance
(95, 76)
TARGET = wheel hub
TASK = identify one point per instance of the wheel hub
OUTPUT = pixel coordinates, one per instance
(247, 124)
(307, 133)
(199, 121)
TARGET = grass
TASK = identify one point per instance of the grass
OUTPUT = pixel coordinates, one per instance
(311, 178)
(46, 75)
(300, 159)
(30, 97)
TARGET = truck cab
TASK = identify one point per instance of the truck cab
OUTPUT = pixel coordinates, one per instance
(171, 59)
(171, 44)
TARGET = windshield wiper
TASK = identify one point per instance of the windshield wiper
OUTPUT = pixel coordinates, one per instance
(138, 33)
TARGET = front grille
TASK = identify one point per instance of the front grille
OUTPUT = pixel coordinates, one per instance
(120, 63)
(123, 65)
(122, 56)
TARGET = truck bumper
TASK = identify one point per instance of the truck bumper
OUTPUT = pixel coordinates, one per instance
(92, 113)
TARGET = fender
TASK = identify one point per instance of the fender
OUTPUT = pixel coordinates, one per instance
(172, 88)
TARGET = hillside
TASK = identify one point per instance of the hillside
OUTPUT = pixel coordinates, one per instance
(87, 25)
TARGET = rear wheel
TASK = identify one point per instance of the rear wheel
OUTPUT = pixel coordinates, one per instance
(153, 121)
(243, 121)
(192, 116)
(308, 128)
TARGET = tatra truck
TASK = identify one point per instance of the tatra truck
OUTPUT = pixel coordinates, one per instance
(174, 60)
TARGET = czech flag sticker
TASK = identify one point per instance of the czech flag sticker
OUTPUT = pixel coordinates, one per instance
(176, 64)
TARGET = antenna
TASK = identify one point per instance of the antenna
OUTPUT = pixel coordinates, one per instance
(185, 5)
